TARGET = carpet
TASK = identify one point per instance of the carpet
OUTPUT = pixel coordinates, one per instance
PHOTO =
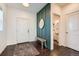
(25, 50)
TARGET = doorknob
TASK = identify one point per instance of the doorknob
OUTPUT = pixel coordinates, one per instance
(28, 30)
(67, 32)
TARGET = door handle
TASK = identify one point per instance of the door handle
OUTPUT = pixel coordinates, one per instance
(28, 31)
(66, 32)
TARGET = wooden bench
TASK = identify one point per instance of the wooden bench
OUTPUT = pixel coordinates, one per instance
(42, 42)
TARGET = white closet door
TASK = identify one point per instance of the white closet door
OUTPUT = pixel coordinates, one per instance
(22, 30)
(72, 31)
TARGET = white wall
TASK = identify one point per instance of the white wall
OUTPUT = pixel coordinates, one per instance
(12, 15)
(3, 33)
(70, 8)
(56, 9)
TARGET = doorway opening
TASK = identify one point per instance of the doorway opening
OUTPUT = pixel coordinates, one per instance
(56, 19)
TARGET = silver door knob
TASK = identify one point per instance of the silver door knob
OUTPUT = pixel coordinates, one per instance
(66, 32)
(28, 31)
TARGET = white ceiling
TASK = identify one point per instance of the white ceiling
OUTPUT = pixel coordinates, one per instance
(34, 7)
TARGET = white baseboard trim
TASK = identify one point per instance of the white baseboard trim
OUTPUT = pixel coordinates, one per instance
(11, 44)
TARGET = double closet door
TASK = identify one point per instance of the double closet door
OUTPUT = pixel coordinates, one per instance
(22, 30)
(72, 30)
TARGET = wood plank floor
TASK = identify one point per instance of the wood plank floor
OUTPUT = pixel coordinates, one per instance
(58, 51)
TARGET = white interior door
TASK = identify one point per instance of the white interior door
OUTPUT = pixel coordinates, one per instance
(72, 31)
(22, 30)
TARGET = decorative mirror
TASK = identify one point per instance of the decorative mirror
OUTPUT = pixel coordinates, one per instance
(41, 24)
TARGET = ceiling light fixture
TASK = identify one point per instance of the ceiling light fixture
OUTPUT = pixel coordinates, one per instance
(25, 4)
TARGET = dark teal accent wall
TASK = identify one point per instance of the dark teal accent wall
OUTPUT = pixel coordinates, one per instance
(45, 31)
